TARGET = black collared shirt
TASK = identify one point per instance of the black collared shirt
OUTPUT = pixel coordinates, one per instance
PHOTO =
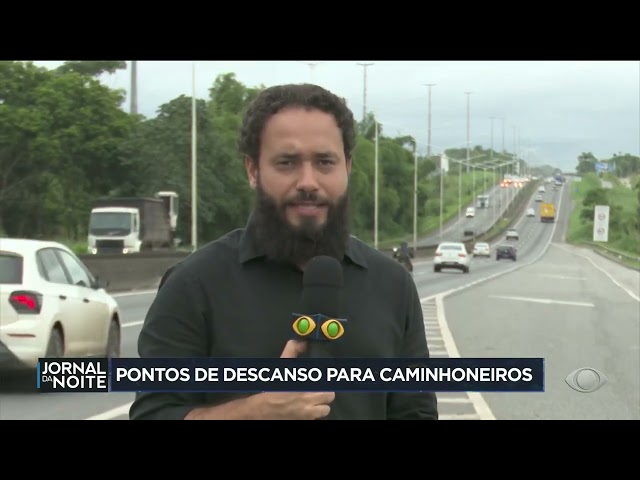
(227, 300)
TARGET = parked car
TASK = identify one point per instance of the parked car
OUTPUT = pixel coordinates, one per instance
(512, 234)
(481, 249)
(451, 255)
(506, 251)
(52, 306)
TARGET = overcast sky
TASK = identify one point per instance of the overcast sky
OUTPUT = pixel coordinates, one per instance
(557, 109)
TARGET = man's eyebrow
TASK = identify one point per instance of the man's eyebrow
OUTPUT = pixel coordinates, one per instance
(325, 154)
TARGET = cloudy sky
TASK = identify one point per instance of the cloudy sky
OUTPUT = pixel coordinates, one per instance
(555, 110)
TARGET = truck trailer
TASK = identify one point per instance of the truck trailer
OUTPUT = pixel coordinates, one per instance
(124, 225)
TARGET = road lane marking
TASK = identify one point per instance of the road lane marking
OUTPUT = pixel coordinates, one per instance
(547, 301)
(631, 294)
(134, 293)
(132, 324)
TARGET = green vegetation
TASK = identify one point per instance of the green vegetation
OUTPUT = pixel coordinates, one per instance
(65, 139)
(624, 223)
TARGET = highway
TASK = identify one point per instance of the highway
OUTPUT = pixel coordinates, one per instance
(484, 218)
(463, 321)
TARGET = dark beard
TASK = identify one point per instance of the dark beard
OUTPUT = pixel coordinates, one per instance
(282, 242)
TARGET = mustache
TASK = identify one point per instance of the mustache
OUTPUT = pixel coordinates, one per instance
(307, 198)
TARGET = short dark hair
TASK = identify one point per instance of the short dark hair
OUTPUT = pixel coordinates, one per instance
(273, 99)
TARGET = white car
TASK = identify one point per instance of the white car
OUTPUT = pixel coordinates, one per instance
(481, 249)
(51, 306)
(471, 212)
(451, 255)
(538, 198)
(512, 234)
(531, 212)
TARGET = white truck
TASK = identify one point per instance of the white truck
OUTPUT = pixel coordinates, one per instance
(124, 225)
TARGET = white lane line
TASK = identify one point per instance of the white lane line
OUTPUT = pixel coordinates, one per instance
(480, 405)
(134, 293)
(631, 294)
(113, 413)
(132, 324)
(561, 277)
(546, 301)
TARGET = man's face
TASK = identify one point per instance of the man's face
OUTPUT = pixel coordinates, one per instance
(301, 179)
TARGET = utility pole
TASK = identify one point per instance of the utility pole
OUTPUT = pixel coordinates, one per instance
(468, 153)
(134, 87)
(364, 99)
(312, 69)
(415, 196)
(429, 132)
(375, 191)
(492, 119)
(194, 172)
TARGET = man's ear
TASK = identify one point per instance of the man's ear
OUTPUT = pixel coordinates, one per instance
(252, 171)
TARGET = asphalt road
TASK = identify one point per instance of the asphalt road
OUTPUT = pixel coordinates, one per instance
(18, 399)
(570, 308)
(484, 218)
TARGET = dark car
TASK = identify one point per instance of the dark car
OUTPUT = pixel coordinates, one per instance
(506, 251)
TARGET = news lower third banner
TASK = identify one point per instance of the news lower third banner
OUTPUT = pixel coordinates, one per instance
(247, 375)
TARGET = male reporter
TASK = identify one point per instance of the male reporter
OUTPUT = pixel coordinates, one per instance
(234, 297)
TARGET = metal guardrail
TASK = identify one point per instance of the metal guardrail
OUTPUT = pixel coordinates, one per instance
(144, 270)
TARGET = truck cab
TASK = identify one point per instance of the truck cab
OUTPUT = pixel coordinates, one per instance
(128, 225)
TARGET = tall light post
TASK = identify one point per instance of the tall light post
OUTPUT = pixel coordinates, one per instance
(375, 191)
(492, 119)
(364, 90)
(134, 87)
(194, 172)
(468, 129)
(415, 196)
(312, 69)
(429, 121)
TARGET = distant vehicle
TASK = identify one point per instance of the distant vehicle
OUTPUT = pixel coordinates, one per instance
(531, 212)
(482, 201)
(512, 234)
(451, 255)
(481, 249)
(51, 306)
(547, 213)
(538, 198)
(541, 189)
(133, 224)
(471, 212)
(506, 251)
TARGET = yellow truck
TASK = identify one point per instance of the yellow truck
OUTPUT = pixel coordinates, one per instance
(547, 213)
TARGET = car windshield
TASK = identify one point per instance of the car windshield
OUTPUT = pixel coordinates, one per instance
(450, 247)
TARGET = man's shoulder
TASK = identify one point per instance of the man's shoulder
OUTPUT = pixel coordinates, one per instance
(213, 254)
(376, 259)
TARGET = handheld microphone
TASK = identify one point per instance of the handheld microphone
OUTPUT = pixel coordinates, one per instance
(318, 320)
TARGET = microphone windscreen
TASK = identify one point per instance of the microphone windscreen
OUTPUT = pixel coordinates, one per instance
(322, 287)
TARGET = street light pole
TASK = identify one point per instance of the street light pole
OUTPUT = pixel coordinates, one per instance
(194, 172)
(415, 197)
(375, 191)
(442, 161)
(364, 91)
(429, 127)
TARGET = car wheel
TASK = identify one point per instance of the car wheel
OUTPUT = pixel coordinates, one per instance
(55, 348)
(113, 340)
